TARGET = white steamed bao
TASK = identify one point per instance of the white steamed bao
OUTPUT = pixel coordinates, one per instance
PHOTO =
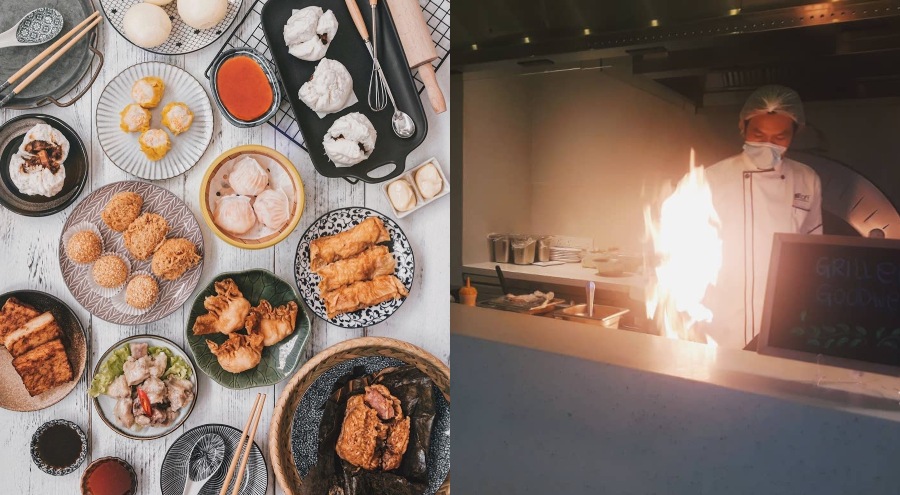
(304, 31)
(248, 177)
(273, 208)
(46, 133)
(202, 14)
(234, 214)
(329, 89)
(350, 140)
(147, 25)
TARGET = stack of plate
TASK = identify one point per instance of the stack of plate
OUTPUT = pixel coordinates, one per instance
(565, 254)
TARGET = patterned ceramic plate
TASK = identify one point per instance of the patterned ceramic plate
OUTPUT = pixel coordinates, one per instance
(122, 147)
(173, 470)
(308, 418)
(172, 294)
(13, 395)
(332, 223)
(12, 133)
(105, 405)
(183, 39)
(278, 361)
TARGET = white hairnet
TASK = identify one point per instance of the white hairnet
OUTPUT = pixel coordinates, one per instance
(773, 99)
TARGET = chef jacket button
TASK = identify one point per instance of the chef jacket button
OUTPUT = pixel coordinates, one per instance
(746, 175)
(782, 177)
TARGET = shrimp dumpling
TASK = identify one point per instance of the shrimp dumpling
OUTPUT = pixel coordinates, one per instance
(155, 144)
(148, 91)
(234, 214)
(248, 177)
(238, 353)
(177, 117)
(273, 208)
(134, 118)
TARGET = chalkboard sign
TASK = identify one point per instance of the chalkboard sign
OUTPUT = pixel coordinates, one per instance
(835, 300)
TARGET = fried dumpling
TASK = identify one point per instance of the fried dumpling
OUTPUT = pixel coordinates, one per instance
(227, 310)
(273, 324)
(273, 208)
(238, 353)
(234, 214)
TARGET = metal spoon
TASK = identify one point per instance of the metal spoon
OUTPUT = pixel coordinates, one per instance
(38, 26)
(402, 123)
(206, 457)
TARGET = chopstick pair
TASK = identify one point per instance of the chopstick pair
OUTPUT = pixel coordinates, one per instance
(244, 454)
(77, 31)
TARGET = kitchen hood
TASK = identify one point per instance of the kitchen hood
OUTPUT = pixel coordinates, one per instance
(699, 52)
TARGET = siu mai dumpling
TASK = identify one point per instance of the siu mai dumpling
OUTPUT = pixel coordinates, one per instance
(273, 324)
(273, 208)
(227, 310)
(238, 353)
(234, 214)
(248, 177)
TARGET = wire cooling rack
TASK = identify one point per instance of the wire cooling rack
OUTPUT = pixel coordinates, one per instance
(249, 34)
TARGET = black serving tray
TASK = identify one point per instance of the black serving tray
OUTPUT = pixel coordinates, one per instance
(349, 49)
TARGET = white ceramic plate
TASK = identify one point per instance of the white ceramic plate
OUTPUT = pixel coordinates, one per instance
(104, 404)
(122, 147)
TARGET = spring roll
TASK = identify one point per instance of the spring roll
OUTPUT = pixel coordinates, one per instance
(372, 262)
(347, 244)
(363, 294)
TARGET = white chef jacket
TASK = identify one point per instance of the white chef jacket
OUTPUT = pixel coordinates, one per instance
(753, 205)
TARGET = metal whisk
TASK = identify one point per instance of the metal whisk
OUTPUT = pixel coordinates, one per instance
(377, 93)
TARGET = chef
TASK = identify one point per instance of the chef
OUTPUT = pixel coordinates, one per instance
(756, 194)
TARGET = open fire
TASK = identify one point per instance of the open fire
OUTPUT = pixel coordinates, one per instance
(686, 256)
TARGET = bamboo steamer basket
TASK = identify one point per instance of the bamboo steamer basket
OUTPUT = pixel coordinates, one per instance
(280, 431)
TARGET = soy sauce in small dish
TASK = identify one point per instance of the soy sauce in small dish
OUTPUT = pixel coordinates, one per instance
(58, 447)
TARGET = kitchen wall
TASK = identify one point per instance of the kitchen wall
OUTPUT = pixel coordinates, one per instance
(584, 151)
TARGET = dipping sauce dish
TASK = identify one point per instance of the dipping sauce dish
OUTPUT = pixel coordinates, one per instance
(245, 87)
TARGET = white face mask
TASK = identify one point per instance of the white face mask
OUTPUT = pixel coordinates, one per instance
(765, 156)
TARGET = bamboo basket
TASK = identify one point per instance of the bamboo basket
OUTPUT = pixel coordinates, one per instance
(280, 430)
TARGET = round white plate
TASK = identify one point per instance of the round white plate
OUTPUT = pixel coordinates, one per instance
(183, 38)
(105, 404)
(122, 147)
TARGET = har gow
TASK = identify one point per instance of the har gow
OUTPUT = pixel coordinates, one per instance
(234, 214)
(248, 177)
(273, 208)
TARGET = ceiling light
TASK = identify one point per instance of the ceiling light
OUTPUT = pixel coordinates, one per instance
(734, 11)
(587, 32)
(527, 40)
(474, 47)
(654, 22)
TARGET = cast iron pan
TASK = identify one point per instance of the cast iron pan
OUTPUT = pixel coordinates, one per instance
(349, 49)
(12, 132)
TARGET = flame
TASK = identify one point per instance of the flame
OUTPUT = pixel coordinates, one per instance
(687, 256)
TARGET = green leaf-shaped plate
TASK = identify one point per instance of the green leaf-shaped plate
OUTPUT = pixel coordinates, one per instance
(278, 361)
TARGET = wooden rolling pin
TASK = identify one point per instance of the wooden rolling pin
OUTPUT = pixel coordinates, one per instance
(419, 47)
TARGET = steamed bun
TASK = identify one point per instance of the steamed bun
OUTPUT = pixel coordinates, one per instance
(147, 25)
(330, 88)
(309, 32)
(350, 140)
(202, 14)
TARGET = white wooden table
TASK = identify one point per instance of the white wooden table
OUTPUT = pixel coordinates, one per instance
(29, 247)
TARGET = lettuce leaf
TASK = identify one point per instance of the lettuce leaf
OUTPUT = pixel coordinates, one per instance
(176, 365)
(109, 370)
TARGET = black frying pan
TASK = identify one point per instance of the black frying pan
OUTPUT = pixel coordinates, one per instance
(349, 49)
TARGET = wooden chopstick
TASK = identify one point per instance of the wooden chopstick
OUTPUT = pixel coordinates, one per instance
(249, 449)
(13, 78)
(40, 70)
(238, 450)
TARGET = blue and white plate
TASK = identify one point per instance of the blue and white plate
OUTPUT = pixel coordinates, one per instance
(332, 223)
(174, 468)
